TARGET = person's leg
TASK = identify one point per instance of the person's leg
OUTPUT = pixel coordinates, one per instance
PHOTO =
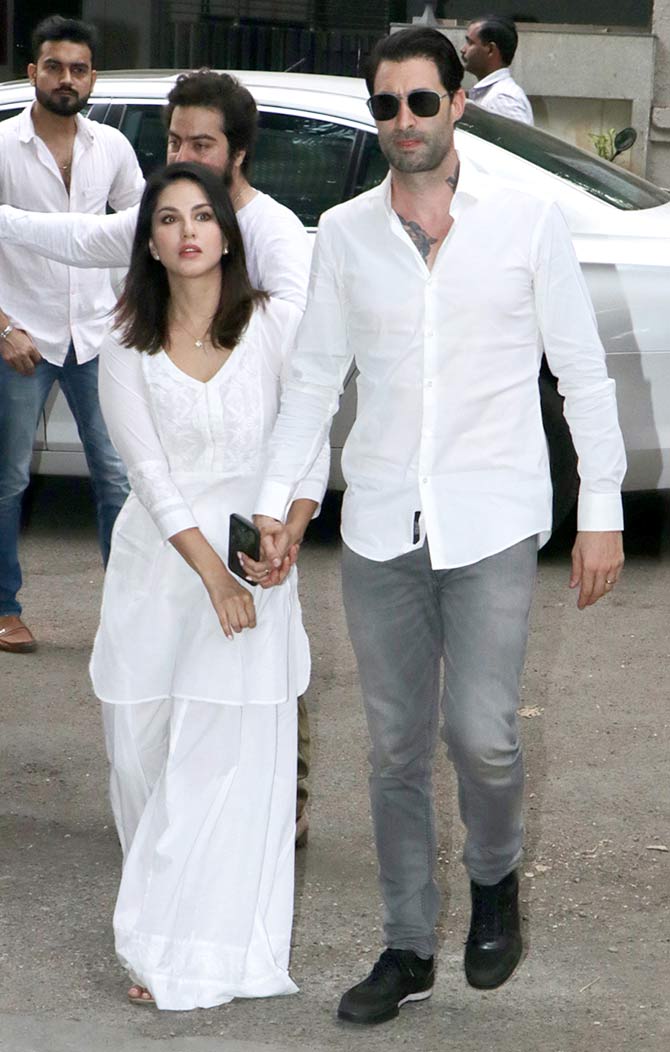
(394, 621)
(393, 617)
(108, 475)
(22, 399)
(485, 611)
(302, 796)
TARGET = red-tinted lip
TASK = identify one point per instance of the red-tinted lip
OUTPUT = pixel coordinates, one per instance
(408, 144)
(189, 250)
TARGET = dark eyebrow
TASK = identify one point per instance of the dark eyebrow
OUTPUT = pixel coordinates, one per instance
(171, 208)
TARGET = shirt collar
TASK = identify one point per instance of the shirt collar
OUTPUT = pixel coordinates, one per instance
(473, 183)
(85, 129)
(492, 78)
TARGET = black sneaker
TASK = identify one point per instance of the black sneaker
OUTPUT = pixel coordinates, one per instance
(398, 976)
(494, 946)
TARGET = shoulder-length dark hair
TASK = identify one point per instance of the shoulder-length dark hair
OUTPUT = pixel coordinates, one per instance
(141, 315)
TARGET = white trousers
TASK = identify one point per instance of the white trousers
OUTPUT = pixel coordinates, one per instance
(204, 802)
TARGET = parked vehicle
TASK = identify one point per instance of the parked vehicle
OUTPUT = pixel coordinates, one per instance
(318, 146)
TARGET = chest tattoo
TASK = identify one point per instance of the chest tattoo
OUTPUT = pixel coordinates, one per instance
(420, 237)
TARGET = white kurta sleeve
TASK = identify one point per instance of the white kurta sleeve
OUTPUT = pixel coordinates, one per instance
(124, 401)
(317, 368)
(74, 238)
(577, 358)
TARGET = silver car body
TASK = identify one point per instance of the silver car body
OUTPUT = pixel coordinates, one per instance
(624, 250)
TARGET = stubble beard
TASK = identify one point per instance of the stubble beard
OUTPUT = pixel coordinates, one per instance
(61, 105)
(425, 160)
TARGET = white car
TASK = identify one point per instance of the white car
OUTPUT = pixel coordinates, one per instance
(317, 146)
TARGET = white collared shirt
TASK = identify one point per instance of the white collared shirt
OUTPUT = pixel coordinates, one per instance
(276, 244)
(52, 302)
(448, 422)
(500, 93)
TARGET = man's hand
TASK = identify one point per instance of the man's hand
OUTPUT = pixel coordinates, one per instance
(19, 351)
(279, 552)
(597, 561)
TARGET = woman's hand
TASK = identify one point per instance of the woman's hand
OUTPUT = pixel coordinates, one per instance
(233, 603)
(263, 573)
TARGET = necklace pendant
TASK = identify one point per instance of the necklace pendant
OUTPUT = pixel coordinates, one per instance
(199, 344)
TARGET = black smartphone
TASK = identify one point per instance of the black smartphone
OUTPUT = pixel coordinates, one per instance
(243, 537)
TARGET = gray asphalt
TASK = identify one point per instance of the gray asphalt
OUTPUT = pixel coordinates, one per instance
(595, 889)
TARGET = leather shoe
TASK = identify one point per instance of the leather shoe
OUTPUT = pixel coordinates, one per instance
(493, 948)
(15, 637)
(399, 976)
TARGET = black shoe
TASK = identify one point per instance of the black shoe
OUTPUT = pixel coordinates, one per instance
(399, 976)
(493, 949)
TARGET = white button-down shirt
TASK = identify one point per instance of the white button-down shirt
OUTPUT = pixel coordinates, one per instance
(52, 302)
(500, 93)
(448, 421)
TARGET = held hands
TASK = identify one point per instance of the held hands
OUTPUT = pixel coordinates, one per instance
(597, 561)
(280, 544)
(19, 351)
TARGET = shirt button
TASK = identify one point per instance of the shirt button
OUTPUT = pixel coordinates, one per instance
(424, 481)
(429, 332)
(429, 383)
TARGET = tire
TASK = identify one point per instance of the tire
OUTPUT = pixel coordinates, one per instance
(562, 455)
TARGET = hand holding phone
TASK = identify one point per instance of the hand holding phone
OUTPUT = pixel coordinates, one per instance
(243, 537)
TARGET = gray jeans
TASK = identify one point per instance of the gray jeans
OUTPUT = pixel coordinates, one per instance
(404, 619)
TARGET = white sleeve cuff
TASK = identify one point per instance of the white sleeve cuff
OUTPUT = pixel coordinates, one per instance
(598, 512)
(273, 500)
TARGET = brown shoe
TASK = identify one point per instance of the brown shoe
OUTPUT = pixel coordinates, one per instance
(301, 830)
(15, 636)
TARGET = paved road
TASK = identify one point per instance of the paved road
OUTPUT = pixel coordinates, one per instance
(596, 884)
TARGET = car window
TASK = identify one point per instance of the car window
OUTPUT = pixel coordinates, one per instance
(143, 127)
(302, 162)
(601, 178)
(6, 114)
(372, 167)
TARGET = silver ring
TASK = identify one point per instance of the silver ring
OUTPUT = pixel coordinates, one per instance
(607, 581)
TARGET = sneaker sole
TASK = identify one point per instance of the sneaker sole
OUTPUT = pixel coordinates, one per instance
(390, 1013)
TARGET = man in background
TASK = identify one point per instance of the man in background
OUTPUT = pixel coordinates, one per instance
(52, 318)
(490, 46)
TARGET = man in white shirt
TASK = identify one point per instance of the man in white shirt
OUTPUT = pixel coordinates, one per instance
(442, 285)
(212, 119)
(490, 46)
(52, 319)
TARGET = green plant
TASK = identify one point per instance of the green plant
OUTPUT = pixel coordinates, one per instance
(604, 143)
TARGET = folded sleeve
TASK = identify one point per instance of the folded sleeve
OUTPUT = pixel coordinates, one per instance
(124, 401)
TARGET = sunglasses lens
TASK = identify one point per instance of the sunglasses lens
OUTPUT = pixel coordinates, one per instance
(423, 103)
(383, 107)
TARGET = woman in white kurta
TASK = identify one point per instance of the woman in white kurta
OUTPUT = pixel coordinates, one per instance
(198, 671)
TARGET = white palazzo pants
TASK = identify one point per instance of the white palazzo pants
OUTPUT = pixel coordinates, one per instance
(203, 796)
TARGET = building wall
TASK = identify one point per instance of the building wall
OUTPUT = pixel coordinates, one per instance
(658, 167)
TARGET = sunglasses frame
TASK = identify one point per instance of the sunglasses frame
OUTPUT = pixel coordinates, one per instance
(398, 98)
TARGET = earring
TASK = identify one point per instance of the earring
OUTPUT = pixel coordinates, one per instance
(154, 254)
(225, 251)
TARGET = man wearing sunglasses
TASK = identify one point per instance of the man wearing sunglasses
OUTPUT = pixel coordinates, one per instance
(443, 285)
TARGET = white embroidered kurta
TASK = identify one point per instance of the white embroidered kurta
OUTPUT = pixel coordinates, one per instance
(203, 794)
(195, 452)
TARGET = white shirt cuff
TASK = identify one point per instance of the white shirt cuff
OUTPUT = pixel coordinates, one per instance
(598, 512)
(273, 500)
(175, 521)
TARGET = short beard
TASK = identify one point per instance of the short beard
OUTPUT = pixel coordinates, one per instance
(428, 161)
(62, 106)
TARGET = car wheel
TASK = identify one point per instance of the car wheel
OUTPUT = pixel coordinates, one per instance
(562, 455)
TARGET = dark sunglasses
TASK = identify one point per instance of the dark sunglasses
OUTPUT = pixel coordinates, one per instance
(422, 102)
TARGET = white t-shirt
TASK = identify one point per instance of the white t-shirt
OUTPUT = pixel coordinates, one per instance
(276, 243)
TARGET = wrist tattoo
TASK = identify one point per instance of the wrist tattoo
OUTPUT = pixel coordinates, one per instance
(423, 241)
(452, 180)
